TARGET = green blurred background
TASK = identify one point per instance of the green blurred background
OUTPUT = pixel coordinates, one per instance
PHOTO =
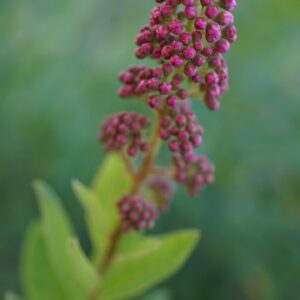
(59, 62)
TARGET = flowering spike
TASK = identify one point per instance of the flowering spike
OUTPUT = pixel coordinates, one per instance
(187, 39)
(171, 40)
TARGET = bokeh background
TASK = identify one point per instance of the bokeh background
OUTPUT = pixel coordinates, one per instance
(59, 62)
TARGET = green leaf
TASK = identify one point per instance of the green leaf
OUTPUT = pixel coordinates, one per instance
(57, 229)
(110, 184)
(128, 241)
(82, 267)
(38, 277)
(12, 296)
(132, 275)
(141, 247)
(133, 243)
(97, 220)
(158, 294)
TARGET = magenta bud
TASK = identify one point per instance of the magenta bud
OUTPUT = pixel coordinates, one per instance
(164, 134)
(167, 69)
(180, 120)
(191, 12)
(176, 46)
(154, 101)
(212, 78)
(183, 136)
(176, 61)
(198, 45)
(185, 38)
(176, 27)
(189, 52)
(166, 10)
(174, 146)
(206, 2)
(186, 147)
(132, 150)
(165, 122)
(222, 46)
(230, 33)
(172, 101)
(190, 70)
(165, 88)
(213, 32)
(188, 2)
(229, 5)
(211, 11)
(196, 140)
(199, 60)
(166, 52)
(212, 103)
(183, 94)
(153, 83)
(197, 78)
(200, 23)
(207, 51)
(225, 18)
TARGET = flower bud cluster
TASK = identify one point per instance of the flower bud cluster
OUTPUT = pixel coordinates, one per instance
(190, 37)
(194, 171)
(162, 190)
(153, 85)
(188, 40)
(136, 213)
(124, 132)
(180, 127)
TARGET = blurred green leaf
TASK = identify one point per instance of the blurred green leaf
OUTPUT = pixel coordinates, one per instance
(38, 276)
(96, 219)
(132, 275)
(83, 269)
(141, 247)
(110, 184)
(56, 231)
(158, 294)
(128, 241)
(12, 296)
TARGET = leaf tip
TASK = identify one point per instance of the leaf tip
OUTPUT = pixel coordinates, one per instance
(38, 184)
(76, 184)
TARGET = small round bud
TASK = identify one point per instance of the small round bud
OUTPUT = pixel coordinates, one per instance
(191, 12)
(211, 11)
(200, 23)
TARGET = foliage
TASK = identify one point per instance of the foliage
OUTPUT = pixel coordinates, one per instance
(54, 266)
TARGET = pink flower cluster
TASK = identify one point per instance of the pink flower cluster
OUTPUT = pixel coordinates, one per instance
(136, 213)
(124, 131)
(190, 37)
(149, 83)
(196, 172)
(181, 128)
(187, 39)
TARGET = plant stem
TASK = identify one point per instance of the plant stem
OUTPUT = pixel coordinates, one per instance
(139, 179)
(111, 250)
(163, 172)
(149, 158)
